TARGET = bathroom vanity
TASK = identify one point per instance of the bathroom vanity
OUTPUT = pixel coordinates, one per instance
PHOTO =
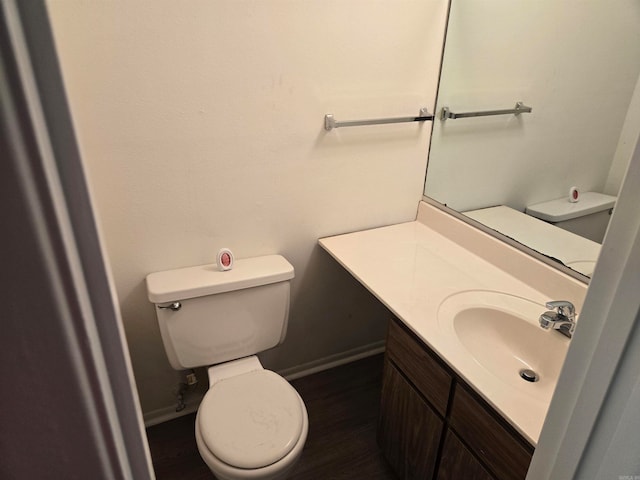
(429, 416)
(464, 311)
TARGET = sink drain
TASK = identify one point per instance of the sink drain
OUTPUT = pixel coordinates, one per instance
(529, 375)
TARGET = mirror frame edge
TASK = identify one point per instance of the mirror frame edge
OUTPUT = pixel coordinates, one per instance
(508, 240)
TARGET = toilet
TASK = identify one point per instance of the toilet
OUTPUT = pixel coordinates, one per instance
(251, 424)
(588, 217)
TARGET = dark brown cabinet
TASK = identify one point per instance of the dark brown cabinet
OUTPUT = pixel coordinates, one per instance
(433, 426)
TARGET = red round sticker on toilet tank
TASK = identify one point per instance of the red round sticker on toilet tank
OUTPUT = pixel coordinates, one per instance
(224, 259)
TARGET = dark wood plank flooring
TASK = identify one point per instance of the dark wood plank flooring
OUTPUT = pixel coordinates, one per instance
(342, 404)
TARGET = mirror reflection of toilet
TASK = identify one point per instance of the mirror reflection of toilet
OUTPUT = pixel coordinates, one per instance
(587, 217)
(251, 424)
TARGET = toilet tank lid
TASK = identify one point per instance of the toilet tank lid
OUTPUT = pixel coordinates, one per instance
(562, 209)
(191, 282)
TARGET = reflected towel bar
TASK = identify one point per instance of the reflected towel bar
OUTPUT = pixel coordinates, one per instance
(330, 123)
(519, 108)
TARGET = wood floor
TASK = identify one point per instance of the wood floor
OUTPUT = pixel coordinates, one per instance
(342, 404)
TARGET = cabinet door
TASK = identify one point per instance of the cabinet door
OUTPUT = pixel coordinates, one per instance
(408, 431)
(456, 462)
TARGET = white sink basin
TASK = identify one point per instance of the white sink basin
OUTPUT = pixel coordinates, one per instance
(500, 334)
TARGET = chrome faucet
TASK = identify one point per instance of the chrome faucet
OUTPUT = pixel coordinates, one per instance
(561, 317)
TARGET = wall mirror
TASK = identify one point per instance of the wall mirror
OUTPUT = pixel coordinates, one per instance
(576, 64)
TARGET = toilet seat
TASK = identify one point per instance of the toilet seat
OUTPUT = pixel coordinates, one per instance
(251, 420)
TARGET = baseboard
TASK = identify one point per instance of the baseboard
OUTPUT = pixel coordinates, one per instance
(333, 361)
(193, 401)
(162, 415)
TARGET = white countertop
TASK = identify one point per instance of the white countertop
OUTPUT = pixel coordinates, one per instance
(412, 267)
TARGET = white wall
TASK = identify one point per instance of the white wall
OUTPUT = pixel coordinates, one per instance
(574, 62)
(201, 126)
(626, 144)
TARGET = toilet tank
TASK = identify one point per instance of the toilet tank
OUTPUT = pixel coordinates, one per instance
(221, 315)
(589, 217)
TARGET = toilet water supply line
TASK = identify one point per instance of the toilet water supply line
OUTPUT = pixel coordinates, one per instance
(183, 388)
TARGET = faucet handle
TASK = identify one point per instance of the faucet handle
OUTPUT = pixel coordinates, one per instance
(564, 307)
(546, 320)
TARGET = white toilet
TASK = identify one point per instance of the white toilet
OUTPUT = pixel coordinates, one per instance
(588, 217)
(251, 424)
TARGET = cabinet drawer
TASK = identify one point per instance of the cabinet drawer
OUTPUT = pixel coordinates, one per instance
(504, 452)
(424, 371)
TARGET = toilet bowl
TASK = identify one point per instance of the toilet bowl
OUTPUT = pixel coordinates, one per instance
(251, 424)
